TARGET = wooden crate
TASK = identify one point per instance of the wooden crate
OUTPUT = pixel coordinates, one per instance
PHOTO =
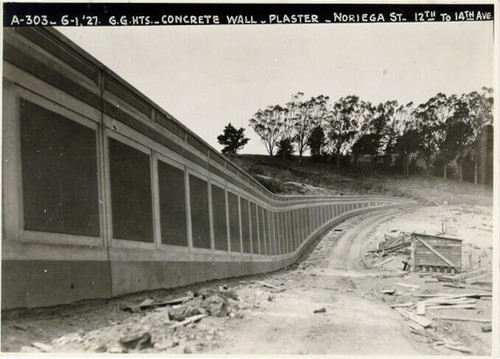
(436, 253)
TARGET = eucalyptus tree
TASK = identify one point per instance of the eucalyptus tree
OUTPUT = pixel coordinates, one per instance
(305, 115)
(268, 125)
(394, 127)
(481, 118)
(344, 122)
(431, 118)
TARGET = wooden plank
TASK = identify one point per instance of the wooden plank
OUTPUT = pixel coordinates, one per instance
(383, 262)
(192, 319)
(461, 319)
(453, 306)
(413, 286)
(439, 255)
(487, 277)
(413, 317)
(407, 304)
(421, 308)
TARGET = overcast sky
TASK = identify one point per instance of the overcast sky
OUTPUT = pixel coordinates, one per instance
(208, 76)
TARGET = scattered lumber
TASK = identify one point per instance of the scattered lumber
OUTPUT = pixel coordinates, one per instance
(451, 295)
(449, 301)
(192, 319)
(482, 278)
(461, 319)
(407, 304)
(383, 262)
(459, 348)
(388, 250)
(150, 304)
(414, 286)
(452, 285)
(424, 322)
(452, 306)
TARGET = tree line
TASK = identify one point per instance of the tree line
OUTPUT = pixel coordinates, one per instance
(443, 131)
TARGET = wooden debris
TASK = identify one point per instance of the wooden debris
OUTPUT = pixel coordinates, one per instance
(486, 328)
(461, 319)
(479, 279)
(452, 295)
(43, 347)
(452, 285)
(388, 291)
(383, 262)
(459, 348)
(413, 286)
(448, 300)
(407, 304)
(424, 322)
(264, 284)
(150, 304)
(452, 306)
(192, 319)
(146, 302)
(321, 310)
(421, 308)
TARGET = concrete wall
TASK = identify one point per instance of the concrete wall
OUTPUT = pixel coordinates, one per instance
(104, 193)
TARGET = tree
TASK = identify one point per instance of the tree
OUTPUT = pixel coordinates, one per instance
(366, 145)
(285, 148)
(344, 121)
(268, 124)
(431, 117)
(305, 115)
(406, 145)
(232, 139)
(316, 141)
(393, 128)
(481, 116)
(483, 148)
(459, 134)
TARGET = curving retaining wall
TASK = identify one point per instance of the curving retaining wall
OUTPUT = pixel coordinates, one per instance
(104, 193)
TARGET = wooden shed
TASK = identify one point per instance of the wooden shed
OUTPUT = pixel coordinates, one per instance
(436, 253)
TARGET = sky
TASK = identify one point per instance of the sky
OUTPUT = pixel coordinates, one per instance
(208, 76)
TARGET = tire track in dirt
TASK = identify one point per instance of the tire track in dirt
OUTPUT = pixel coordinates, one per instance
(349, 250)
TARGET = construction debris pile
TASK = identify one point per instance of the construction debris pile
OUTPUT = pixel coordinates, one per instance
(155, 325)
(426, 253)
(442, 275)
(421, 310)
(393, 244)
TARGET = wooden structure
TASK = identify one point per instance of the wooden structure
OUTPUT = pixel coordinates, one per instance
(436, 254)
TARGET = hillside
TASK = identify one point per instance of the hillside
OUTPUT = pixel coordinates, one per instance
(311, 177)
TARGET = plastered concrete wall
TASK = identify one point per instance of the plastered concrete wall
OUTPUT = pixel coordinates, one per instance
(110, 228)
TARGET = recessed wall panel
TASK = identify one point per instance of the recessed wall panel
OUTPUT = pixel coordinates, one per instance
(255, 228)
(262, 231)
(219, 218)
(131, 202)
(200, 223)
(234, 222)
(245, 225)
(59, 173)
(172, 205)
